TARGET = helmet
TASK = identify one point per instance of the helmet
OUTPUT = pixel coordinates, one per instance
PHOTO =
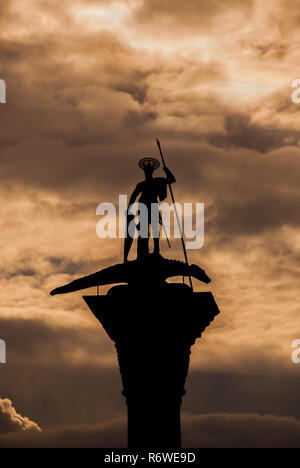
(152, 162)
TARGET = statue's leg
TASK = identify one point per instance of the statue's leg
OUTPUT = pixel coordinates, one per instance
(142, 246)
(143, 236)
(129, 239)
(155, 226)
(127, 246)
(156, 245)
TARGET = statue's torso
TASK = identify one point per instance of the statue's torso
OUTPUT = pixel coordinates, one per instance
(153, 189)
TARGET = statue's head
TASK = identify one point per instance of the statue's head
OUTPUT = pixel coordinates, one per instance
(149, 165)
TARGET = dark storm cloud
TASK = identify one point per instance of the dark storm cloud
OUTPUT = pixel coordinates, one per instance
(204, 431)
(209, 392)
(57, 393)
(59, 101)
(107, 434)
(51, 362)
(41, 340)
(138, 118)
(64, 265)
(170, 16)
(133, 88)
(260, 213)
(66, 367)
(55, 101)
(241, 431)
(251, 194)
(26, 272)
(268, 49)
(241, 133)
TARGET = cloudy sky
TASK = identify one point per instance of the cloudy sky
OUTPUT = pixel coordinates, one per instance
(90, 85)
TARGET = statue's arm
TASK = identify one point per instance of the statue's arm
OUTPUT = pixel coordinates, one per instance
(134, 195)
(170, 177)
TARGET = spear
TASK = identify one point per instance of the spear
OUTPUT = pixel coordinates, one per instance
(164, 229)
(176, 212)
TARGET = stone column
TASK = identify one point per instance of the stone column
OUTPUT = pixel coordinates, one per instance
(153, 331)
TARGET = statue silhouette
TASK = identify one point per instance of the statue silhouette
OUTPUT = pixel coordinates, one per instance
(153, 323)
(150, 190)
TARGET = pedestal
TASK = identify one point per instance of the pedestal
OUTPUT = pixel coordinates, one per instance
(153, 331)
